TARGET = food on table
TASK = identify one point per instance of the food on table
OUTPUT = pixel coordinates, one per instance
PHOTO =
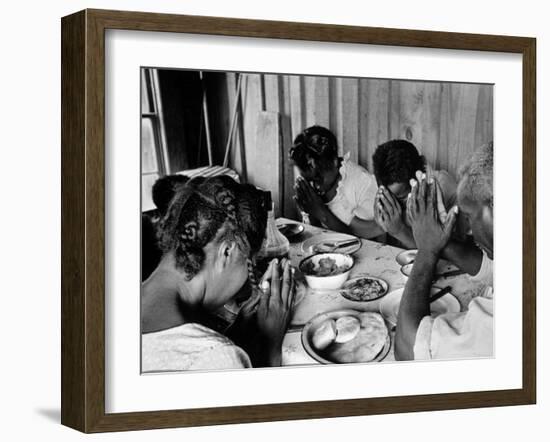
(350, 339)
(366, 345)
(326, 267)
(347, 328)
(363, 289)
(324, 335)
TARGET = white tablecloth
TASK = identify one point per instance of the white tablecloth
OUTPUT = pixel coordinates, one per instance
(374, 259)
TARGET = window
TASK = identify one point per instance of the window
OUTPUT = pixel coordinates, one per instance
(154, 158)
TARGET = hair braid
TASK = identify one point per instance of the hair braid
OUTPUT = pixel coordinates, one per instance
(253, 281)
(214, 209)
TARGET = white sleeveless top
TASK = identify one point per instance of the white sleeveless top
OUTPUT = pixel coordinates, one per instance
(355, 194)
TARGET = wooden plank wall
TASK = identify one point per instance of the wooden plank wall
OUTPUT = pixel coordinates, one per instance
(445, 121)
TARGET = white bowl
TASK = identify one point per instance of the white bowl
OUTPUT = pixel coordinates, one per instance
(332, 282)
(406, 257)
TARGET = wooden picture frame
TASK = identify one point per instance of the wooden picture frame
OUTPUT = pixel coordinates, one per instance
(83, 219)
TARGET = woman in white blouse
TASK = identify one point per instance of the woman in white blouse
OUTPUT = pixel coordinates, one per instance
(335, 192)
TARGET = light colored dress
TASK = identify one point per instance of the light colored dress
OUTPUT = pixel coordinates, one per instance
(355, 193)
(190, 347)
(461, 335)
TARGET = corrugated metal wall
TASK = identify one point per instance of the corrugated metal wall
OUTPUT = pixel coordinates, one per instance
(446, 121)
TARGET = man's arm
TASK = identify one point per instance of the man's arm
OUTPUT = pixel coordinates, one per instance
(365, 228)
(415, 304)
(431, 236)
(405, 237)
(359, 227)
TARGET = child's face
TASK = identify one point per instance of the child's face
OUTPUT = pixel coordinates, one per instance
(227, 273)
(321, 180)
(400, 191)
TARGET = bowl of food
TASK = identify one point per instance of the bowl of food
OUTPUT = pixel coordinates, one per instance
(326, 271)
(364, 289)
(346, 336)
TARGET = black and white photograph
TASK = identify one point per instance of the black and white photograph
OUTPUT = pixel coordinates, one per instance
(298, 220)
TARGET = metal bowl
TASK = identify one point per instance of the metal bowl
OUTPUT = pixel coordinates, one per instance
(314, 323)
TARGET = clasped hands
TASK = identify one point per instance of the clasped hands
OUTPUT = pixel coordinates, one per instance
(307, 199)
(431, 224)
(268, 309)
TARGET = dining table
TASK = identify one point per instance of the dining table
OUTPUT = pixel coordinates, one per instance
(374, 259)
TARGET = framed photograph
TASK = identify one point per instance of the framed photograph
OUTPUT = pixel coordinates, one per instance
(267, 220)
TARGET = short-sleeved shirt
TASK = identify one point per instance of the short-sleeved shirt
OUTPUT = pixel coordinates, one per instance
(190, 347)
(355, 194)
(466, 334)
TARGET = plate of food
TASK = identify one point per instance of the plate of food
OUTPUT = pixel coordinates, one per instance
(290, 229)
(331, 242)
(389, 306)
(346, 336)
(364, 289)
(326, 271)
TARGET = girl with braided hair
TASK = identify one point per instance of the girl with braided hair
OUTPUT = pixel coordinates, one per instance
(212, 229)
(335, 192)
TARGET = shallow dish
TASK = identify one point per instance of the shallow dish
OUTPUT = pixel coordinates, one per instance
(328, 282)
(320, 243)
(290, 230)
(389, 306)
(406, 257)
(360, 294)
(313, 324)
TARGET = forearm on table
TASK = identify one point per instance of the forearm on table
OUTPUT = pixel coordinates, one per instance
(330, 221)
(415, 304)
(365, 228)
(465, 256)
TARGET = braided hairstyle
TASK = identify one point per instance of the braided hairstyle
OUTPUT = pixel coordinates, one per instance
(315, 147)
(164, 189)
(397, 161)
(214, 209)
(253, 207)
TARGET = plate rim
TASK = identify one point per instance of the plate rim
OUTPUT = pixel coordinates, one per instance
(300, 225)
(305, 250)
